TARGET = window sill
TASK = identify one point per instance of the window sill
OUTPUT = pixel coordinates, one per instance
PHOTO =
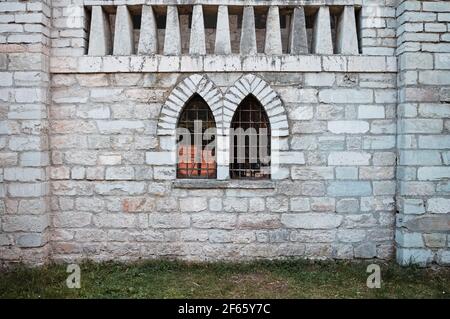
(217, 184)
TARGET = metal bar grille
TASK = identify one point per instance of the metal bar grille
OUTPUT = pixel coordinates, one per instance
(250, 115)
(188, 165)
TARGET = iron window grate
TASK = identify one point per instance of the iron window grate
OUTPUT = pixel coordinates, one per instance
(250, 115)
(196, 161)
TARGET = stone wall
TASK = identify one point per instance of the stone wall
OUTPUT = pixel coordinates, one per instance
(114, 197)
(87, 146)
(423, 133)
(24, 157)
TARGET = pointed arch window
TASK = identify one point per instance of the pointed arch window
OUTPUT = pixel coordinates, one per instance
(250, 141)
(196, 140)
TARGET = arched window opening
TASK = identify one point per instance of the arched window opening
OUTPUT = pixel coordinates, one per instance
(250, 141)
(196, 140)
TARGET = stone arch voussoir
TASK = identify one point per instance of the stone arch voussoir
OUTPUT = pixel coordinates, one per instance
(269, 99)
(183, 91)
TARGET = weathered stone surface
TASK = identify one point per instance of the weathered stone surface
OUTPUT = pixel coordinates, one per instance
(356, 188)
(172, 38)
(337, 124)
(273, 32)
(193, 204)
(348, 158)
(408, 256)
(351, 127)
(223, 42)
(123, 32)
(248, 33)
(347, 37)
(31, 240)
(429, 224)
(148, 37)
(438, 205)
(322, 42)
(100, 35)
(298, 39)
(367, 250)
(197, 44)
(311, 221)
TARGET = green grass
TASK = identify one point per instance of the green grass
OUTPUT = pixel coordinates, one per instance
(263, 279)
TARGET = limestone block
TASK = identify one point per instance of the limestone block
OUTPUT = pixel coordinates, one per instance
(349, 188)
(148, 38)
(123, 33)
(25, 223)
(349, 127)
(31, 240)
(100, 34)
(322, 41)
(160, 158)
(248, 33)
(408, 256)
(191, 204)
(438, 205)
(159, 220)
(348, 158)
(311, 220)
(197, 44)
(408, 239)
(119, 173)
(223, 42)
(347, 37)
(366, 250)
(420, 157)
(114, 220)
(172, 39)
(273, 32)
(298, 38)
(433, 173)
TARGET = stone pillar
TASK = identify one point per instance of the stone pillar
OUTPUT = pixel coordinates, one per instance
(24, 154)
(197, 41)
(423, 112)
(123, 33)
(248, 32)
(148, 38)
(347, 36)
(223, 42)
(273, 32)
(298, 38)
(100, 33)
(322, 41)
(172, 38)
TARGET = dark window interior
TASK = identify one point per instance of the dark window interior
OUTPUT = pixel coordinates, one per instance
(250, 114)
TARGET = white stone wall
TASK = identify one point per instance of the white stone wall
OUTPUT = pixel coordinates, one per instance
(115, 197)
(87, 172)
(423, 223)
(376, 21)
(24, 157)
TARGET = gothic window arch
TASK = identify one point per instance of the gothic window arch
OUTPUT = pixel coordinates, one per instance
(250, 141)
(196, 139)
